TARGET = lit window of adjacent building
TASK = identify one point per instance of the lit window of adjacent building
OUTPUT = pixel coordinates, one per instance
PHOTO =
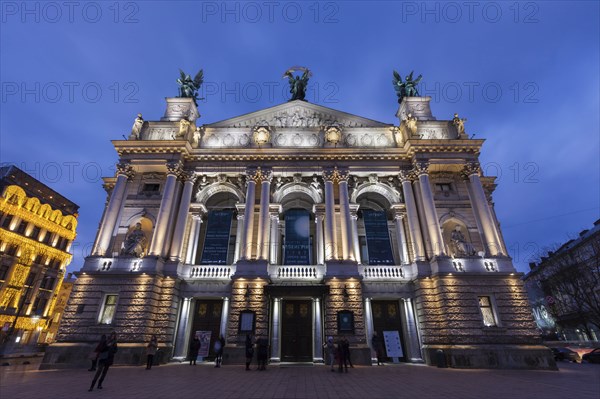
(487, 311)
(107, 313)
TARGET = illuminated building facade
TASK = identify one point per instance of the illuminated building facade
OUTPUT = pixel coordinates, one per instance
(37, 227)
(299, 222)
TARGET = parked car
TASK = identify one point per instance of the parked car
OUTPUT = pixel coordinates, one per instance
(593, 356)
(566, 354)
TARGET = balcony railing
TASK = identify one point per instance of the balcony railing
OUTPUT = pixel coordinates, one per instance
(289, 272)
(211, 272)
(390, 273)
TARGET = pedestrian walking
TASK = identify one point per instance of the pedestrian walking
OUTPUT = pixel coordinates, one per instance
(219, 346)
(151, 349)
(346, 348)
(263, 353)
(105, 359)
(96, 352)
(377, 345)
(329, 346)
(249, 351)
(193, 350)
(339, 351)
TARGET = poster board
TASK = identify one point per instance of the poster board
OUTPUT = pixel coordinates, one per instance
(393, 347)
(204, 337)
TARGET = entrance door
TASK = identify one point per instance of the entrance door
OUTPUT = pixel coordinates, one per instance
(207, 317)
(296, 331)
(386, 317)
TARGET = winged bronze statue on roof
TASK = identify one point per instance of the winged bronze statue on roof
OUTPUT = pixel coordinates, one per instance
(408, 88)
(188, 87)
(298, 84)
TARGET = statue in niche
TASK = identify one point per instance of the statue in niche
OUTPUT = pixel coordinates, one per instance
(316, 185)
(197, 137)
(135, 243)
(278, 182)
(203, 182)
(298, 84)
(459, 245)
(137, 128)
(408, 88)
(459, 123)
(188, 87)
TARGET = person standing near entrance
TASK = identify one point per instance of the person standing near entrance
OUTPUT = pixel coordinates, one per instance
(151, 351)
(263, 353)
(377, 345)
(105, 359)
(219, 345)
(193, 350)
(94, 355)
(330, 351)
(249, 351)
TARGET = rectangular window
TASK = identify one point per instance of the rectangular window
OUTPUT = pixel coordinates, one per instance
(22, 227)
(7, 221)
(487, 311)
(35, 233)
(443, 187)
(107, 314)
(151, 188)
(3, 272)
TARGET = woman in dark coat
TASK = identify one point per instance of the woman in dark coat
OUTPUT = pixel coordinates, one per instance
(194, 349)
(106, 357)
(249, 351)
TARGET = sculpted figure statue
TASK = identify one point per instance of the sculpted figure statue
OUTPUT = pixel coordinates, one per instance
(184, 125)
(459, 123)
(408, 88)
(137, 128)
(197, 137)
(411, 123)
(135, 243)
(460, 246)
(298, 84)
(188, 87)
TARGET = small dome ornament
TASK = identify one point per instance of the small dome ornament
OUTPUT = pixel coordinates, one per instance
(333, 135)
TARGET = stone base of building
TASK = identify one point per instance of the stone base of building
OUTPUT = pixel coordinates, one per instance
(76, 355)
(237, 355)
(491, 356)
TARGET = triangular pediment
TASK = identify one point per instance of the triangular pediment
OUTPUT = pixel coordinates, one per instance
(297, 114)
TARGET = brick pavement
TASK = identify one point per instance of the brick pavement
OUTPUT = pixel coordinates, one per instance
(391, 381)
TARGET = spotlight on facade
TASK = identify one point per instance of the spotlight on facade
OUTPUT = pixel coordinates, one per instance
(261, 136)
(481, 254)
(333, 135)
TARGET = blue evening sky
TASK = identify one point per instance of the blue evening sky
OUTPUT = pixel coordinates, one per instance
(524, 74)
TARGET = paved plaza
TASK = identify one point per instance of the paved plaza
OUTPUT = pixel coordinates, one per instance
(391, 381)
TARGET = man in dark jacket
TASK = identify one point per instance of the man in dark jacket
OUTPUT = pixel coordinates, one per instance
(194, 349)
(106, 358)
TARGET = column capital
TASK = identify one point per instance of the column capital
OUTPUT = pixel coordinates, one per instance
(335, 175)
(174, 168)
(188, 176)
(399, 211)
(125, 169)
(421, 168)
(259, 175)
(470, 169)
(406, 175)
(319, 210)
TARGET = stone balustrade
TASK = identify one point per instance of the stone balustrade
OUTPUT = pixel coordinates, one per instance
(301, 272)
(380, 272)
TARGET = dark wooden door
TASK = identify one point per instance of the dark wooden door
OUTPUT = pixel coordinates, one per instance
(207, 317)
(296, 331)
(386, 317)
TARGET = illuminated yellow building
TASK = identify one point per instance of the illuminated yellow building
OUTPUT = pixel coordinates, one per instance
(37, 227)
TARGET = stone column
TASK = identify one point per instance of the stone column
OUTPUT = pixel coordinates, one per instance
(107, 226)
(319, 212)
(433, 225)
(330, 240)
(355, 243)
(274, 211)
(224, 317)
(369, 326)
(192, 248)
(184, 206)
(276, 331)
(35, 290)
(346, 219)
(399, 214)
(239, 233)
(413, 218)
(182, 337)
(317, 331)
(162, 219)
(479, 200)
(172, 219)
(263, 215)
(412, 336)
(247, 236)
